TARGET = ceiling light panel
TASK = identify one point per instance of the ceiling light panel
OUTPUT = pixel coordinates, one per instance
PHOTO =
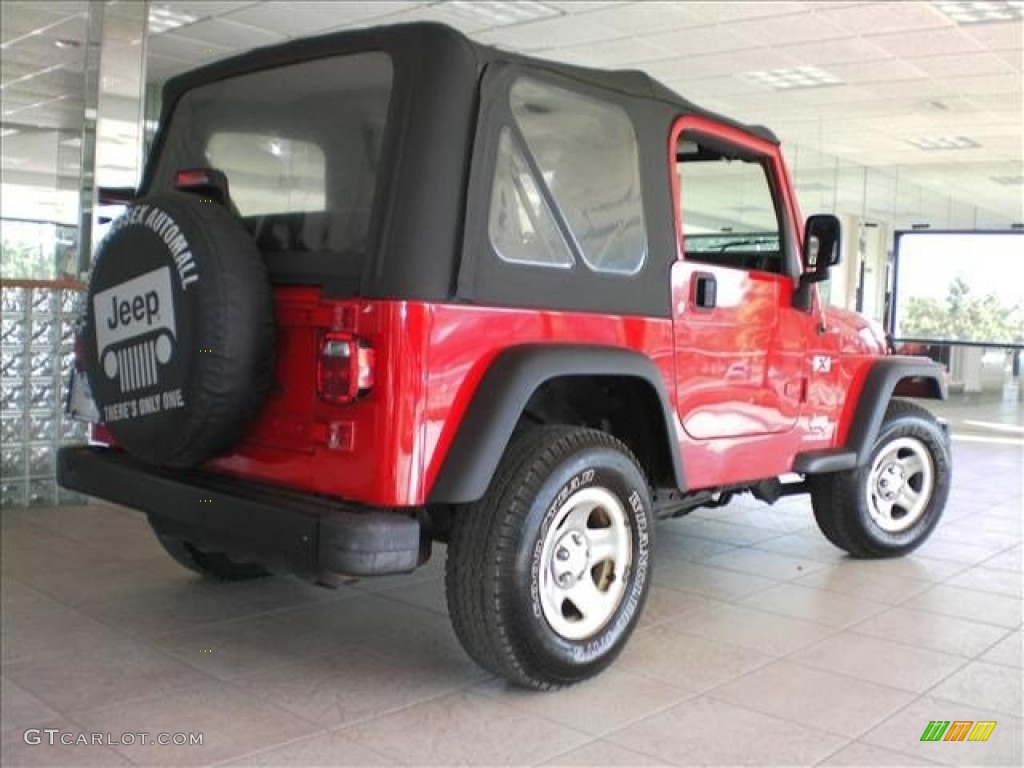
(162, 18)
(796, 77)
(931, 143)
(981, 12)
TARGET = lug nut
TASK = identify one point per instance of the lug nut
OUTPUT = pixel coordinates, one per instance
(562, 553)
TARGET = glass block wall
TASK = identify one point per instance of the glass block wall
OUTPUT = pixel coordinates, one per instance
(36, 353)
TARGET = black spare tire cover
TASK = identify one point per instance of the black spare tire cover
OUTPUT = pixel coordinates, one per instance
(179, 329)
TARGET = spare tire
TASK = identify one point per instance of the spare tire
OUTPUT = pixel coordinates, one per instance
(179, 331)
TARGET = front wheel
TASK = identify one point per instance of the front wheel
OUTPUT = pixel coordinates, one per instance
(892, 504)
(547, 574)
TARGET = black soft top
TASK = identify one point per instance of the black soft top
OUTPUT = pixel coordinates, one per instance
(418, 239)
(433, 39)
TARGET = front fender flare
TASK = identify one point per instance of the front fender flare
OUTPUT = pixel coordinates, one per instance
(917, 376)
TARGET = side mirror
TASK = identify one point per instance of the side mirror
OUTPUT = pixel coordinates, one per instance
(822, 237)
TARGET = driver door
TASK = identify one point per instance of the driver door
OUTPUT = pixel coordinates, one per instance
(739, 344)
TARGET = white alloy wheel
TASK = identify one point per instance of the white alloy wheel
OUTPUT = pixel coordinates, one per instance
(585, 562)
(900, 484)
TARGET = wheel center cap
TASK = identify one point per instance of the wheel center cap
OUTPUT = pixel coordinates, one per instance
(571, 556)
(890, 482)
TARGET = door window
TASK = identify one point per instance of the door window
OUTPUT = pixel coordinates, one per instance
(729, 216)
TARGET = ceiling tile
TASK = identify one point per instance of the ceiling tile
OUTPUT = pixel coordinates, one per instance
(843, 51)
(120, 29)
(933, 43)
(435, 13)
(172, 45)
(126, 10)
(229, 35)
(548, 33)
(18, 22)
(890, 16)
(815, 98)
(1010, 101)
(962, 65)
(67, 28)
(1013, 59)
(42, 53)
(735, 63)
(713, 13)
(583, 6)
(612, 54)
(206, 8)
(160, 68)
(870, 72)
(926, 88)
(14, 70)
(694, 42)
(779, 31)
(300, 19)
(984, 84)
(697, 90)
(649, 18)
(997, 37)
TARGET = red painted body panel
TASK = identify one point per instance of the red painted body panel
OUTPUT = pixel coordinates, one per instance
(430, 359)
(753, 382)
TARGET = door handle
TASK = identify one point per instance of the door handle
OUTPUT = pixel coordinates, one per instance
(705, 291)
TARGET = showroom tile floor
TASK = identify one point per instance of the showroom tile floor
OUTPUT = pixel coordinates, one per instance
(761, 645)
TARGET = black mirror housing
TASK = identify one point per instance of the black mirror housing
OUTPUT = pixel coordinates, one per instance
(823, 236)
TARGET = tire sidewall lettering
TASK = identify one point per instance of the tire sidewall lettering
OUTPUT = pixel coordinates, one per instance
(612, 478)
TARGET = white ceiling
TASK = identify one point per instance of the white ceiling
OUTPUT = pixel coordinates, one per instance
(907, 71)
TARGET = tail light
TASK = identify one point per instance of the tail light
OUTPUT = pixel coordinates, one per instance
(207, 182)
(345, 368)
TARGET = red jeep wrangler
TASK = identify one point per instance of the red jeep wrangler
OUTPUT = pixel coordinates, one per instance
(388, 287)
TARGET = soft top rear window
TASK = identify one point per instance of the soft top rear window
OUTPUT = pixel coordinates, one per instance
(301, 148)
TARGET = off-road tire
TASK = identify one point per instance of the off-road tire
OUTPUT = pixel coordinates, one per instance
(493, 569)
(213, 565)
(841, 502)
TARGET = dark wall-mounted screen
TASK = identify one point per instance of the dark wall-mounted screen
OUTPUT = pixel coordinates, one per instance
(958, 287)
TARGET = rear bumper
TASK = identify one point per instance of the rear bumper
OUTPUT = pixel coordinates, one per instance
(313, 537)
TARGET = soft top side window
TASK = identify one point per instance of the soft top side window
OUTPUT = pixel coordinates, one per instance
(585, 164)
(729, 215)
(520, 223)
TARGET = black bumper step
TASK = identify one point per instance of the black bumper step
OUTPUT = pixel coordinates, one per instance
(311, 536)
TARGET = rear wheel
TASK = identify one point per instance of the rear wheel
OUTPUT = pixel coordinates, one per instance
(892, 504)
(548, 572)
(214, 565)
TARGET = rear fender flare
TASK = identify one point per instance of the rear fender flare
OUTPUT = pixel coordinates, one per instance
(502, 395)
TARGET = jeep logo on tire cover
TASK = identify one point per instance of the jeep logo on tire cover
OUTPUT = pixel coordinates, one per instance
(135, 329)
